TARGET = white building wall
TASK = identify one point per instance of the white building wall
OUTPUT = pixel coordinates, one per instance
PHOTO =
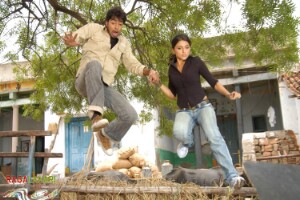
(166, 143)
(256, 101)
(298, 114)
(59, 146)
(290, 109)
(140, 136)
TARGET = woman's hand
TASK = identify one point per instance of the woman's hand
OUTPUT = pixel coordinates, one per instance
(153, 77)
(233, 95)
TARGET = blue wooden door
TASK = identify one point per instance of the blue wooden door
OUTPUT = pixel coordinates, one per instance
(77, 143)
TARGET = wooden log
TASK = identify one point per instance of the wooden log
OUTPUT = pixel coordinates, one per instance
(26, 154)
(276, 157)
(245, 191)
(25, 133)
(162, 190)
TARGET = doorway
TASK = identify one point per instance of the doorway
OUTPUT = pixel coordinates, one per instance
(228, 128)
(78, 136)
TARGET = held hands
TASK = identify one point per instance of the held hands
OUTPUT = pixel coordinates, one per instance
(153, 77)
(69, 39)
(233, 95)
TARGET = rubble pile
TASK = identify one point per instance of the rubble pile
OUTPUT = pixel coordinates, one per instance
(271, 146)
(130, 163)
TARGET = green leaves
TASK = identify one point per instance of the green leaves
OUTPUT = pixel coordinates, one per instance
(272, 32)
(268, 37)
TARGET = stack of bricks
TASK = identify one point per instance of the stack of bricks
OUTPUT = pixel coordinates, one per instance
(271, 146)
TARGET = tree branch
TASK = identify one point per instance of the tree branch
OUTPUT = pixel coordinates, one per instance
(130, 25)
(57, 7)
(29, 10)
(11, 13)
(90, 9)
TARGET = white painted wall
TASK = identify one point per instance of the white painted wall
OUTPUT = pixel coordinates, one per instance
(298, 117)
(7, 71)
(290, 109)
(59, 146)
(140, 136)
(166, 143)
(256, 101)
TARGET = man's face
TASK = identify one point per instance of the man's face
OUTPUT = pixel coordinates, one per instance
(114, 27)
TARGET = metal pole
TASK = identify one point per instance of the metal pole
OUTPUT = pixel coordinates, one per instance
(198, 151)
(239, 117)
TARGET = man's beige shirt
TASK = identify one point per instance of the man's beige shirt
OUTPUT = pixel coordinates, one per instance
(95, 42)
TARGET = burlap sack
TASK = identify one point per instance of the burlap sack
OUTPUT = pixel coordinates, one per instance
(135, 172)
(121, 163)
(125, 171)
(154, 170)
(137, 160)
(125, 153)
(104, 166)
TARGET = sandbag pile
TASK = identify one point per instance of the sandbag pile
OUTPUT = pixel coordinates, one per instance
(130, 163)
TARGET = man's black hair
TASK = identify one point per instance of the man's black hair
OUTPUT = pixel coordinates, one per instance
(116, 12)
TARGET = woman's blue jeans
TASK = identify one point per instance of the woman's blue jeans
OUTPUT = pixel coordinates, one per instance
(185, 121)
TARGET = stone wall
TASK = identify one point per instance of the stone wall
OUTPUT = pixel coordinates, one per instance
(271, 146)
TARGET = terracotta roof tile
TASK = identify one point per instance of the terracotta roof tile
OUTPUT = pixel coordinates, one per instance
(293, 82)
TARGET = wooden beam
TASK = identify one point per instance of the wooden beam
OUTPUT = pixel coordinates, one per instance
(26, 154)
(245, 79)
(245, 191)
(160, 190)
(277, 157)
(25, 133)
(10, 103)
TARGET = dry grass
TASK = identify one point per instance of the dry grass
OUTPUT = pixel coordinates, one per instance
(188, 191)
(142, 189)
